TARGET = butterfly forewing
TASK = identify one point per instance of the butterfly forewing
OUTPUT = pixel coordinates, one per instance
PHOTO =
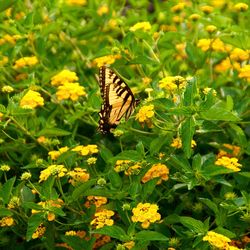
(118, 100)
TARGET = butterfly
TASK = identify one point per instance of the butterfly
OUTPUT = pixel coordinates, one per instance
(118, 100)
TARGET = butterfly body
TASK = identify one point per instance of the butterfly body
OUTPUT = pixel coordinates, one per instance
(118, 100)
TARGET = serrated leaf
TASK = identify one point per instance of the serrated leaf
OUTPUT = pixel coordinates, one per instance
(114, 232)
(50, 132)
(150, 235)
(192, 224)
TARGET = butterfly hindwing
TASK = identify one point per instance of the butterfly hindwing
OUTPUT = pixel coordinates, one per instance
(118, 100)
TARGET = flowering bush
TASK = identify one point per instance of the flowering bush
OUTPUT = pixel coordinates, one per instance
(175, 175)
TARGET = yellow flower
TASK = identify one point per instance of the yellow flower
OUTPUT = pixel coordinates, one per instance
(239, 54)
(40, 231)
(5, 168)
(100, 240)
(145, 113)
(14, 202)
(42, 139)
(122, 165)
(7, 221)
(65, 76)
(176, 143)
(194, 17)
(103, 9)
(145, 213)
(230, 163)
(4, 60)
(181, 49)
(109, 59)
(177, 19)
(207, 90)
(96, 200)
(178, 7)
(8, 12)
(207, 9)
(7, 89)
(129, 244)
(19, 15)
(229, 151)
(171, 83)
(78, 175)
(31, 100)
(9, 39)
(217, 240)
(92, 161)
(70, 91)
(70, 233)
(144, 26)
(86, 150)
(102, 218)
(218, 3)
(25, 176)
(146, 80)
(156, 171)
(55, 170)
(55, 154)
(210, 28)
(244, 72)
(76, 2)
(230, 195)
(25, 61)
(226, 64)
(241, 7)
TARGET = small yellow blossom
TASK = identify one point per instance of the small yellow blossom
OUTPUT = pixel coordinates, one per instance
(9, 39)
(239, 54)
(165, 27)
(40, 231)
(8, 12)
(103, 218)
(230, 163)
(176, 143)
(241, 7)
(218, 3)
(146, 80)
(156, 171)
(91, 160)
(144, 26)
(112, 23)
(19, 15)
(65, 76)
(145, 113)
(172, 83)
(7, 89)
(121, 165)
(211, 28)
(7, 222)
(102, 10)
(207, 90)
(178, 7)
(108, 59)
(181, 49)
(78, 175)
(54, 170)
(25, 176)
(100, 240)
(96, 200)
(31, 100)
(129, 244)
(194, 17)
(226, 64)
(145, 213)
(25, 61)
(129, 167)
(213, 44)
(4, 60)
(217, 240)
(193, 143)
(76, 2)
(86, 150)
(244, 72)
(42, 139)
(230, 195)
(206, 9)
(55, 154)
(70, 91)
(229, 151)
(177, 19)
(70, 233)
(5, 168)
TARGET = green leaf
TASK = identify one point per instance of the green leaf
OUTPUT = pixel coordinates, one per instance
(180, 163)
(106, 154)
(190, 93)
(79, 191)
(6, 190)
(115, 179)
(114, 232)
(140, 148)
(194, 225)
(157, 143)
(230, 103)
(34, 221)
(150, 235)
(195, 56)
(51, 132)
(210, 204)
(187, 132)
(148, 188)
(77, 243)
(5, 4)
(131, 155)
(196, 163)
(5, 212)
(238, 135)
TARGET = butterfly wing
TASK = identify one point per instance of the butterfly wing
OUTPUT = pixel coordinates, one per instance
(118, 100)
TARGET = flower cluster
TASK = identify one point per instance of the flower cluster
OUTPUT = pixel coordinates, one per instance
(127, 166)
(9, 39)
(244, 72)
(7, 221)
(78, 175)
(145, 213)
(229, 151)
(96, 200)
(40, 231)
(230, 163)
(76, 2)
(145, 114)
(216, 44)
(103, 218)
(14, 202)
(108, 59)
(31, 100)
(172, 83)
(56, 153)
(158, 170)
(67, 88)
(52, 170)
(86, 150)
(177, 143)
(25, 61)
(144, 26)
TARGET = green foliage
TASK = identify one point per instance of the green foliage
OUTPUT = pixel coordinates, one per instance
(183, 155)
